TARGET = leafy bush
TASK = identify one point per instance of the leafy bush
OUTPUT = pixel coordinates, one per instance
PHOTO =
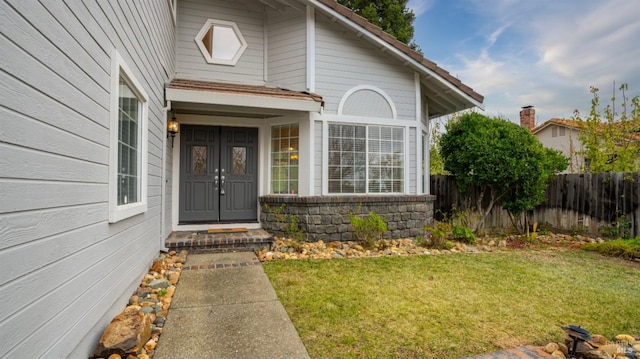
(290, 225)
(625, 248)
(368, 229)
(463, 234)
(439, 233)
(544, 228)
(621, 227)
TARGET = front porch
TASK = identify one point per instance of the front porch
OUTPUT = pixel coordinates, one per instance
(230, 241)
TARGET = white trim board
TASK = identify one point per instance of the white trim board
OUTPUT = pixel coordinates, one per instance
(215, 98)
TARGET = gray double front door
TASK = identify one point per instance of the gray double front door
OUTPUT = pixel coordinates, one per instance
(218, 174)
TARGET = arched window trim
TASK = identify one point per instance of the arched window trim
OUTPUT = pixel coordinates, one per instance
(343, 100)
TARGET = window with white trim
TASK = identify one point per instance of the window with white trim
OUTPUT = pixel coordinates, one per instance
(284, 159)
(128, 144)
(366, 159)
(221, 42)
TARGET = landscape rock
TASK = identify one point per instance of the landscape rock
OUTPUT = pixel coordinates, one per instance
(551, 347)
(610, 349)
(598, 340)
(625, 338)
(563, 348)
(159, 283)
(130, 334)
(182, 257)
(150, 345)
(126, 333)
(157, 266)
(173, 278)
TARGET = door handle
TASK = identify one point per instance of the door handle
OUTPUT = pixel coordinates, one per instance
(222, 185)
(215, 182)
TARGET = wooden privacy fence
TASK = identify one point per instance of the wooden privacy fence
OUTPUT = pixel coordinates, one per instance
(574, 202)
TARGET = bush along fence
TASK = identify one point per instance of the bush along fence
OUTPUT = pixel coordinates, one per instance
(603, 204)
(328, 218)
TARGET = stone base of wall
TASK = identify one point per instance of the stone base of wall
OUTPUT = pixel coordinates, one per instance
(328, 218)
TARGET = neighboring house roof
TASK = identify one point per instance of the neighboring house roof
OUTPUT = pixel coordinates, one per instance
(218, 93)
(573, 124)
(404, 49)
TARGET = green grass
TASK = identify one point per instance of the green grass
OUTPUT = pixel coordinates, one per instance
(625, 248)
(451, 306)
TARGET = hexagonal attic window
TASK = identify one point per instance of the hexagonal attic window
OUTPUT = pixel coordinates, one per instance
(221, 42)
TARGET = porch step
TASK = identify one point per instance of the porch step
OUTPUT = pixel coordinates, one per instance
(199, 242)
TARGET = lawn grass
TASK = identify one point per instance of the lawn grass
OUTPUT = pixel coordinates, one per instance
(451, 306)
(625, 248)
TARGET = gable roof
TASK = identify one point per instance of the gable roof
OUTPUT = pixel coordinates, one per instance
(426, 67)
(574, 124)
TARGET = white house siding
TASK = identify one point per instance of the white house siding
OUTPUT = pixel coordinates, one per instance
(66, 270)
(344, 61)
(248, 16)
(568, 143)
(287, 48)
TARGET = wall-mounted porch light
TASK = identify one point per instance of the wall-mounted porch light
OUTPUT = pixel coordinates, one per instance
(173, 127)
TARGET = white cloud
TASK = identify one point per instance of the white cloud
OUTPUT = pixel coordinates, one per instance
(551, 52)
(598, 43)
(487, 75)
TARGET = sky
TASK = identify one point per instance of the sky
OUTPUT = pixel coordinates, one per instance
(541, 53)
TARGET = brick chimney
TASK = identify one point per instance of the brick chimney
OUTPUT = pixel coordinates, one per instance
(528, 117)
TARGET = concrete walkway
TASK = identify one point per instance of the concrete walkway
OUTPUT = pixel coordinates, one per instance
(225, 307)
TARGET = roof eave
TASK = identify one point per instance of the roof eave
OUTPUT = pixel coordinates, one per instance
(410, 56)
(239, 99)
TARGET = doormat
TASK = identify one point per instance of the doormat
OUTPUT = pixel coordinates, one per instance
(227, 230)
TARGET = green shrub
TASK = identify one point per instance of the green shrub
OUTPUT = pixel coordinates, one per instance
(368, 229)
(620, 228)
(439, 233)
(625, 248)
(463, 234)
(290, 225)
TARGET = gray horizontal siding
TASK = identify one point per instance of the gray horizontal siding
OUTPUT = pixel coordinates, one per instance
(66, 266)
(287, 49)
(192, 14)
(344, 61)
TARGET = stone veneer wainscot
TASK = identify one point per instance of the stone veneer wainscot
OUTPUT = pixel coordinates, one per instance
(327, 218)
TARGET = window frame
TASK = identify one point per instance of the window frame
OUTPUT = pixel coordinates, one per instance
(368, 152)
(199, 39)
(119, 212)
(292, 184)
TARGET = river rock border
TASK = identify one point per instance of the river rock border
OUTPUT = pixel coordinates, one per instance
(134, 333)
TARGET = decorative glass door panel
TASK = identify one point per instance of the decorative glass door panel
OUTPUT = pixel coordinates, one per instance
(218, 174)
